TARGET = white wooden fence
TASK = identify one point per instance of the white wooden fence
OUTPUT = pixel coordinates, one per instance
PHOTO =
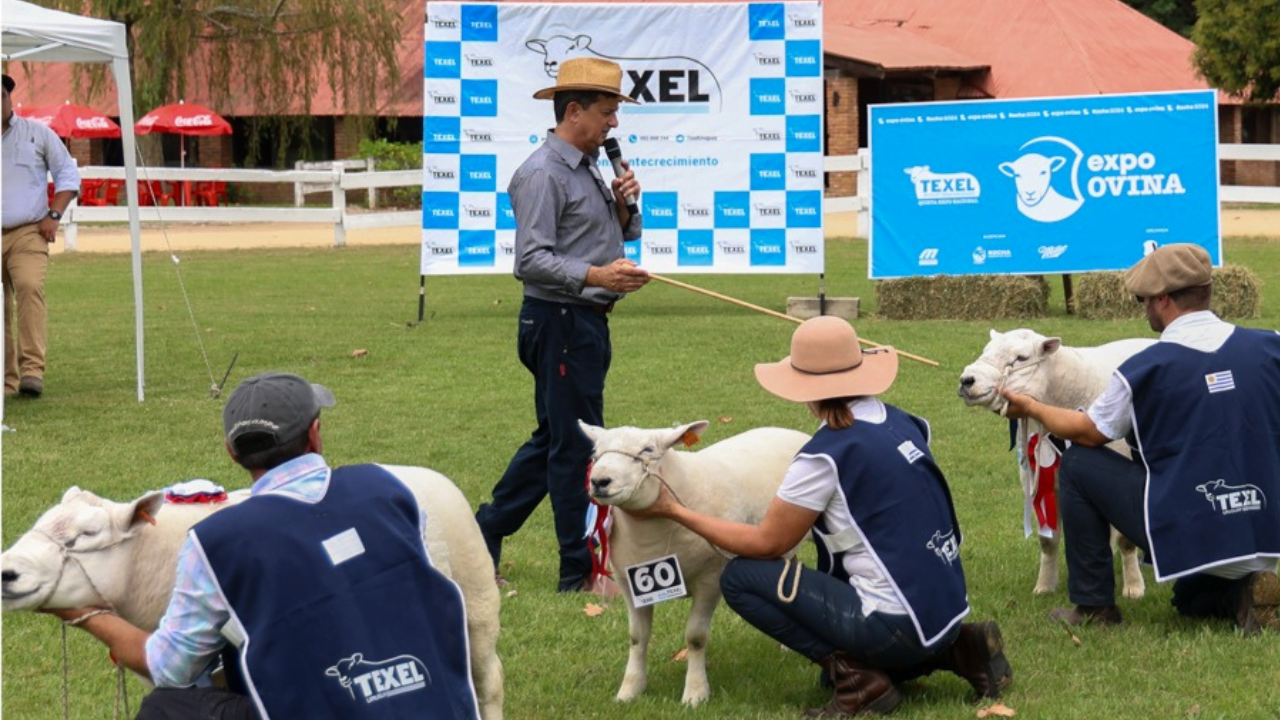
(337, 180)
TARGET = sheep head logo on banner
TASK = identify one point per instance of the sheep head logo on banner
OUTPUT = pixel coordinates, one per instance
(678, 82)
(1033, 175)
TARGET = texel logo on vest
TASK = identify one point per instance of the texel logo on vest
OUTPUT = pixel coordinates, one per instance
(373, 681)
(945, 546)
(1232, 499)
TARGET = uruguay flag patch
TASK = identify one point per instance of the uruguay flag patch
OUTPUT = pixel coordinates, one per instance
(1220, 381)
(910, 451)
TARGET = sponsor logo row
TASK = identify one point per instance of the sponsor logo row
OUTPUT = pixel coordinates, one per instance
(929, 257)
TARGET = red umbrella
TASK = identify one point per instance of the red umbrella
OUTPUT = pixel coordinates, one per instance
(72, 121)
(183, 119)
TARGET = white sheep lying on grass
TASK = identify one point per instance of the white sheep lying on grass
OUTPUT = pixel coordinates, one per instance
(88, 551)
(735, 479)
(1027, 362)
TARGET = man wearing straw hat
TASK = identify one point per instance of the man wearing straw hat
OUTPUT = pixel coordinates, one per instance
(570, 229)
(886, 602)
(31, 153)
(1202, 497)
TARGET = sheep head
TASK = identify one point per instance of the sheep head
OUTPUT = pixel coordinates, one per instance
(69, 558)
(627, 462)
(1011, 361)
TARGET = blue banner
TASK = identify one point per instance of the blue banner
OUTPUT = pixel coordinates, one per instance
(1054, 185)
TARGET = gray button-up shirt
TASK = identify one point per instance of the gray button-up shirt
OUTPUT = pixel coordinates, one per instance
(566, 222)
(31, 152)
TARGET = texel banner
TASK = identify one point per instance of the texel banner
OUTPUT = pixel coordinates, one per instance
(1054, 185)
(726, 141)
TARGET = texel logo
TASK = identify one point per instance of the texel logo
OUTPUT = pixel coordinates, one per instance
(659, 210)
(476, 248)
(478, 136)
(441, 98)
(804, 208)
(767, 171)
(731, 248)
(480, 98)
(804, 58)
(767, 135)
(382, 679)
(440, 135)
(943, 188)
(803, 21)
(801, 172)
(444, 59)
(1033, 178)
(695, 248)
(1220, 381)
(1232, 499)
(438, 173)
(476, 211)
(945, 546)
(506, 214)
(804, 133)
(507, 248)
(768, 96)
(479, 61)
(768, 210)
(768, 247)
(442, 23)
(1049, 252)
(654, 247)
(696, 211)
(480, 23)
(441, 250)
(732, 210)
(765, 21)
(928, 256)
(665, 83)
(478, 173)
(800, 248)
(768, 60)
(803, 98)
(439, 210)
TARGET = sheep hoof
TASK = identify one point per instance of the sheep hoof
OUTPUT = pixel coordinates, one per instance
(1044, 589)
(627, 694)
(694, 699)
(1134, 593)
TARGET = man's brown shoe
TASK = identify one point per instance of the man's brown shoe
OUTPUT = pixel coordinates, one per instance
(978, 657)
(1258, 603)
(1088, 614)
(31, 386)
(859, 690)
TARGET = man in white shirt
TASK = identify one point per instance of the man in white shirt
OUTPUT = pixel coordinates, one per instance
(31, 152)
(1202, 409)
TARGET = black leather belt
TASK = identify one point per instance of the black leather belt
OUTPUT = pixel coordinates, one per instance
(602, 309)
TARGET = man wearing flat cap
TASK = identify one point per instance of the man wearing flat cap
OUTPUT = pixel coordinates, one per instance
(310, 592)
(1201, 409)
(31, 153)
(570, 229)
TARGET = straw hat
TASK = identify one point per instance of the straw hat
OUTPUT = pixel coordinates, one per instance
(586, 73)
(1170, 268)
(827, 362)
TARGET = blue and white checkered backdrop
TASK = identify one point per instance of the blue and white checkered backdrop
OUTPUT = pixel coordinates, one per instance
(726, 141)
(1041, 185)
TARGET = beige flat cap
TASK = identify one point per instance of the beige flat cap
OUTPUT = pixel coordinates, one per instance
(1170, 268)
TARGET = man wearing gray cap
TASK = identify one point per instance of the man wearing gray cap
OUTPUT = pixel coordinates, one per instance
(1201, 408)
(31, 153)
(316, 593)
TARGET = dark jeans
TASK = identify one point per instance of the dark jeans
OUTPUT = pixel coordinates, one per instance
(825, 616)
(196, 704)
(567, 350)
(1098, 488)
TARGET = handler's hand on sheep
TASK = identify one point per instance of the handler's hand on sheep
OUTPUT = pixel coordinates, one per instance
(1017, 406)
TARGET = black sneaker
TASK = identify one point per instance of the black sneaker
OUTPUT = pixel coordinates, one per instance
(31, 386)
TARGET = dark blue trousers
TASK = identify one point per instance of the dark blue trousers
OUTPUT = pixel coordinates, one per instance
(1098, 488)
(825, 616)
(567, 349)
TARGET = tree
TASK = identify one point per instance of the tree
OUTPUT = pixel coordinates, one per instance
(1177, 15)
(273, 55)
(1238, 47)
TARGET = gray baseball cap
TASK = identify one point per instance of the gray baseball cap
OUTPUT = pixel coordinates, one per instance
(272, 409)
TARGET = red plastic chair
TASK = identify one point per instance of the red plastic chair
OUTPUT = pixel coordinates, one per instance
(89, 193)
(152, 193)
(210, 193)
(111, 193)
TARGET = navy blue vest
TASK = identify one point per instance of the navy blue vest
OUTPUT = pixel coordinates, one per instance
(342, 614)
(1208, 425)
(902, 507)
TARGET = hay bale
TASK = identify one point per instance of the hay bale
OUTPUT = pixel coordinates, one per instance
(1101, 296)
(967, 297)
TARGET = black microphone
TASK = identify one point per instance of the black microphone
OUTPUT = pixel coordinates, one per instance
(614, 152)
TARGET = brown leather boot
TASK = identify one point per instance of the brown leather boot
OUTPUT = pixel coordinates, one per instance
(977, 655)
(858, 690)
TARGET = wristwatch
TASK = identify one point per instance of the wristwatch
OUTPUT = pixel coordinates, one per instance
(55, 214)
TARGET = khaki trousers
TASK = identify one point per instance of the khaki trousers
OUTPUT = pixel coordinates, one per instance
(26, 263)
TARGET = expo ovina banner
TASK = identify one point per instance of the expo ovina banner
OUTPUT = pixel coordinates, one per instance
(1053, 185)
(726, 141)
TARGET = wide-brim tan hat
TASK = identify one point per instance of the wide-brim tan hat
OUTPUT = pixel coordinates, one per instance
(827, 362)
(586, 73)
(1169, 268)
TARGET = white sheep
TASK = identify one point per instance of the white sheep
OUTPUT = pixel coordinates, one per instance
(735, 479)
(1027, 362)
(88, 551)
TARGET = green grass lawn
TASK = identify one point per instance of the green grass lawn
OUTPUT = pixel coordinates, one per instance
(450, 394)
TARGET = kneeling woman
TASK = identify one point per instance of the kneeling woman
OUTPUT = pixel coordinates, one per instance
(886, 602)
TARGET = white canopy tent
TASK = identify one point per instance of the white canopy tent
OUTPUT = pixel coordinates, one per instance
(35, 34)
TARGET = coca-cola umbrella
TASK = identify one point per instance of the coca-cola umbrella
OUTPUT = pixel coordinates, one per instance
(183, 119)
(72, 121)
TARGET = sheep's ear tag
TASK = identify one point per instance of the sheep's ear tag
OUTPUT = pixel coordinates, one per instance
(689, 438)
(146, 516)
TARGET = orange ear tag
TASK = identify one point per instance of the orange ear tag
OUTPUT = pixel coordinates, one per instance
(689, 438)
(146, 516)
